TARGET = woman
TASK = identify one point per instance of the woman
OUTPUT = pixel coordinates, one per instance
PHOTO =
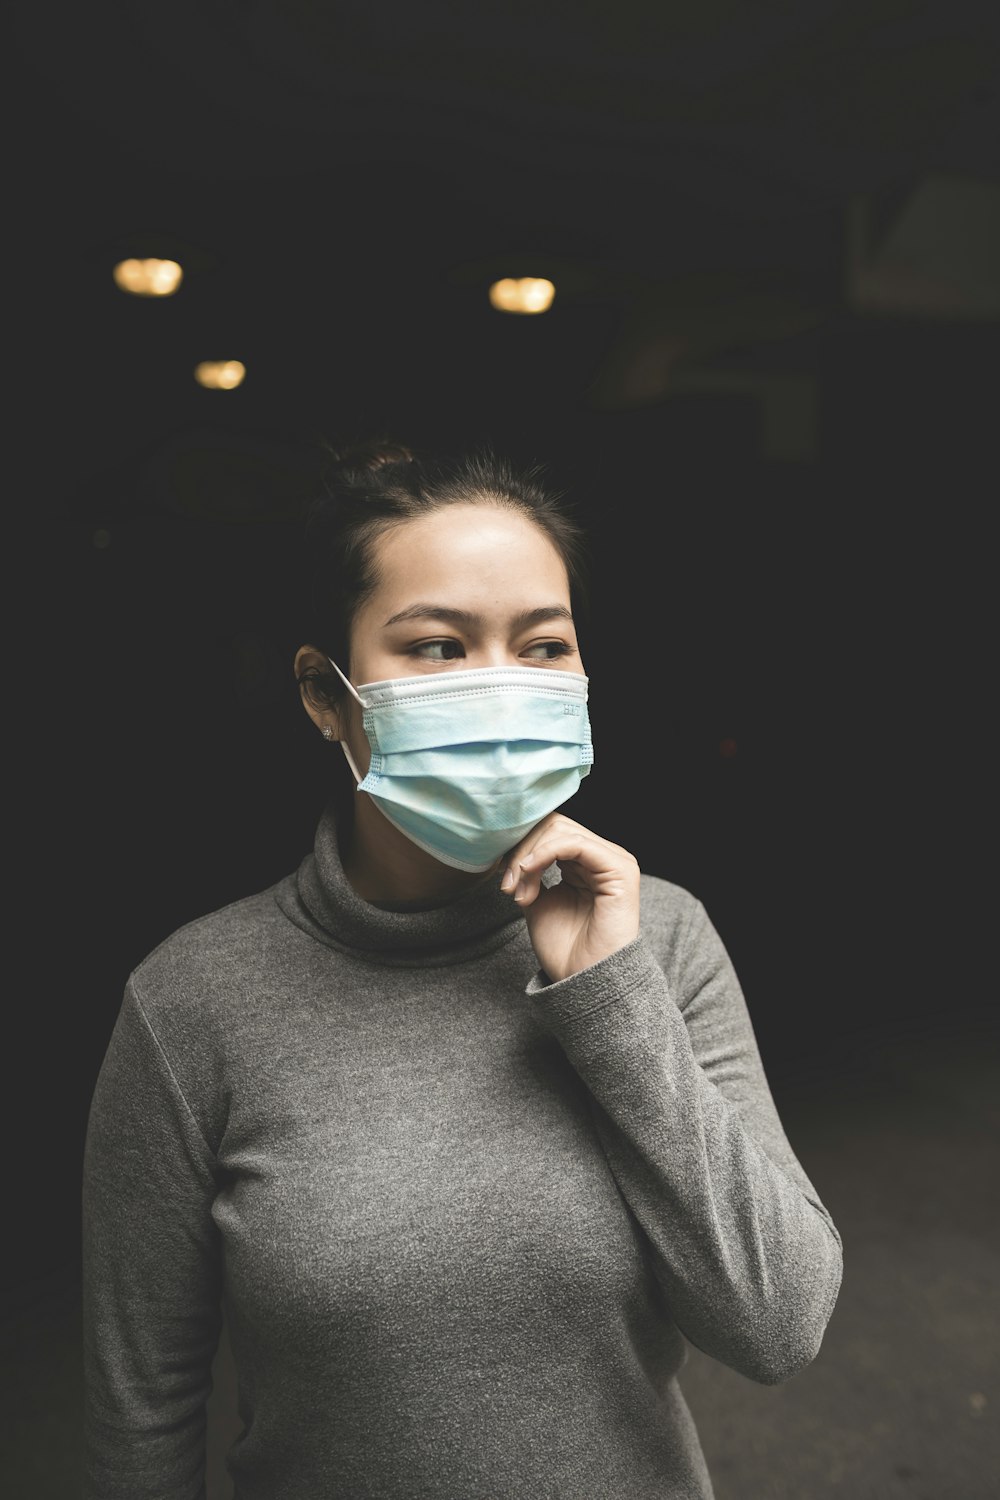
(463, 1122)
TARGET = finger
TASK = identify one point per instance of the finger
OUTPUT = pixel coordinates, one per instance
(518, 851)
(529, 870)
(593, 854)
(558, 838)
(524, 880)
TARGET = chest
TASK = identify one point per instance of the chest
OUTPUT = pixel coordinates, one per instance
(389, 1145)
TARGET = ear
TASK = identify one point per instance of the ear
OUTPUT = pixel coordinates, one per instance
(308, 662)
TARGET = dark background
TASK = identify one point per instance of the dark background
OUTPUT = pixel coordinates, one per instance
(768, 379)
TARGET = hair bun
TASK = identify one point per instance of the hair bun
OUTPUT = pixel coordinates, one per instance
(372, 454)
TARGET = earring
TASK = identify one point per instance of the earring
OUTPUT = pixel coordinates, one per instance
(327, 732)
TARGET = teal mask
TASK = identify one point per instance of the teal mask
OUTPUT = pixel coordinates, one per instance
(466, 763)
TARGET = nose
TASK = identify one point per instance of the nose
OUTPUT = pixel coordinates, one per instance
(495, 654)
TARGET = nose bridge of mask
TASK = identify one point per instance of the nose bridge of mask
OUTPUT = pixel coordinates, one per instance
(503, 713)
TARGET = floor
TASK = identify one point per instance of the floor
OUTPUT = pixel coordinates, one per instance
(904, 1397)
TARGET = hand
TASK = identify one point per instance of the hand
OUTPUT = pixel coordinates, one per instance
(591, 913)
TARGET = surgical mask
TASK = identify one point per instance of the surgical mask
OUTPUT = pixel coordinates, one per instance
(466, 763)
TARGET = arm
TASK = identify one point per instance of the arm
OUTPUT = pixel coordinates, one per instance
(152, 1276)
(748, 1257)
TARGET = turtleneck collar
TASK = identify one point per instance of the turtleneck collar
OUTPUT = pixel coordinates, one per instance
(320, 899)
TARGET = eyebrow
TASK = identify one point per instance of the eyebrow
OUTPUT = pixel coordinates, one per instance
(467, 618)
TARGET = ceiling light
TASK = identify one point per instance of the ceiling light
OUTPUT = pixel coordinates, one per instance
(523, 294)
(220, 374)
(148, 278)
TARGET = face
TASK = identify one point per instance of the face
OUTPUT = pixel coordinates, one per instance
(465, 586)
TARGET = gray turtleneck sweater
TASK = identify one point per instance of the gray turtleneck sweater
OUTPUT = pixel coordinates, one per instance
(461, 1220)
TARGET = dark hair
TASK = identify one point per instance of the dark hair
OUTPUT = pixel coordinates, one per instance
(372, 486)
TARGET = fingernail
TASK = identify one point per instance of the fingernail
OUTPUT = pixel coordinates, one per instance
(507, 882)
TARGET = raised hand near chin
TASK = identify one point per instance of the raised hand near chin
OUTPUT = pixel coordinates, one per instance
(591, 913)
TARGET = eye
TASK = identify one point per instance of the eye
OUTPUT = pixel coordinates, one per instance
(446, 650)
(549, 650)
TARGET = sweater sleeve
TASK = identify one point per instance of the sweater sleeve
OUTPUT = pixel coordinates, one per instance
(151, 1276)
(748, 1257)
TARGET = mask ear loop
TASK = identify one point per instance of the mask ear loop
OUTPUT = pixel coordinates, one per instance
(347, 683)
(358, 778)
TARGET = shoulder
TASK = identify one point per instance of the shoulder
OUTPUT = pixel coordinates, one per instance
(208, 961)
(667, 909)
(193, 998)
(680, 933)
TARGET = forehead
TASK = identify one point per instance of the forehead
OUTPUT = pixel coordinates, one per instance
(469, 548)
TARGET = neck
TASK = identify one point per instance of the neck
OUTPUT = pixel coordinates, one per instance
(382, 864)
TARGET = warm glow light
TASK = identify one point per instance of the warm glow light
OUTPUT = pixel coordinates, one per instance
(220, 374)
(526, 294)
(148, 278)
